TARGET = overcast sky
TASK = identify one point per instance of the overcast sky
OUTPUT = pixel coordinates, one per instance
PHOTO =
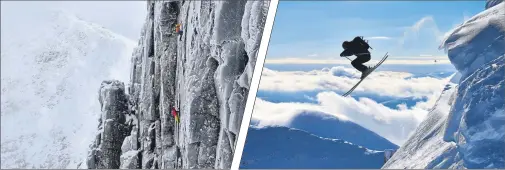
(122, 17)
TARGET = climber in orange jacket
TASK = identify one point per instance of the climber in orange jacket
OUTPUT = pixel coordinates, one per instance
(178, 30)
(175, 113)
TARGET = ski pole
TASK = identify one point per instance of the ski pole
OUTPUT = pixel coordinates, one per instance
(366, 41)
(348, 58)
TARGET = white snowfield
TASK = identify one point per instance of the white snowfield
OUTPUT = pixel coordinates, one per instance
(50, 79)
(466, 128)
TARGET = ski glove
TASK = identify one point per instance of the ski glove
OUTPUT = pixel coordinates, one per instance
(346, 53)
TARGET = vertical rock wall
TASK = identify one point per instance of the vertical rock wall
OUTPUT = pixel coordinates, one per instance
(205, 73)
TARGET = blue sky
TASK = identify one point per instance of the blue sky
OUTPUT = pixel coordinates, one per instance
(315, 30)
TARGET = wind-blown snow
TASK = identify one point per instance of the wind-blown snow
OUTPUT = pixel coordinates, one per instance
(50, 80)
(473, 135)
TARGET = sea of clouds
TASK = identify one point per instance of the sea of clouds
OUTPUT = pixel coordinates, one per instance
(327, 85)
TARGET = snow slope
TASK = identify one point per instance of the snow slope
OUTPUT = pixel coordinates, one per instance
(473, 135)
(427, 141)
(49, 81)
(284, 148)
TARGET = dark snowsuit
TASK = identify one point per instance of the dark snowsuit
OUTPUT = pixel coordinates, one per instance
(359, 48)
(180, 35)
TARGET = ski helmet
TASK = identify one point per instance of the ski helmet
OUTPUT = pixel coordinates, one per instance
(346, 44)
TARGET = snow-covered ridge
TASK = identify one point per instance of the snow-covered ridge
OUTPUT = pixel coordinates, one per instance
(62, 25)
(94, 27)
(204, 73)
(473, 132)
(284, 148)
(322, 138)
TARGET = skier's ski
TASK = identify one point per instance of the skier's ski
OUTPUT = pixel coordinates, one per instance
(372, 69)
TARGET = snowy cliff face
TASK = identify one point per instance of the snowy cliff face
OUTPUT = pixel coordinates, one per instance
(477, 119)
(472, 134)
(205, 74)
(49, 81)
(426, 145)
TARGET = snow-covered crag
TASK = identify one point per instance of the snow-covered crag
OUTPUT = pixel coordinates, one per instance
(466, 129)
(113, 125)
(205, 74)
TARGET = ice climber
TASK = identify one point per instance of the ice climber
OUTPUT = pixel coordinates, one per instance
(175, 113)
(178, 30)
(359, 48)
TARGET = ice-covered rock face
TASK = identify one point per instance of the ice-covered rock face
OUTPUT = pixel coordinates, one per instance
(204, 73)
(106, 150)
(476, 121)
(472, 135)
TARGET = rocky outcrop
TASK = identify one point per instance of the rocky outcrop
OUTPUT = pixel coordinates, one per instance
(205, 73)
(106, 149)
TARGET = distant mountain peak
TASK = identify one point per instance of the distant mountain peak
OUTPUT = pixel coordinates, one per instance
(282, 147)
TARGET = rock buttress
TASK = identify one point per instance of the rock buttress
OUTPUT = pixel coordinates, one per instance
(106, 150)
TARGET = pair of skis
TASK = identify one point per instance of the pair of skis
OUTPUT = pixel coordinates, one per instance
(370, 72)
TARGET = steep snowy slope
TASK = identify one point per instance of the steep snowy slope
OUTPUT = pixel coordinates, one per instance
(281, 147)
(427, 142)
(474, 132)
(49, 82)
(204, 73)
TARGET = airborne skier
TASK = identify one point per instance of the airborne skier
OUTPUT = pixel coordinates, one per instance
(359, 48)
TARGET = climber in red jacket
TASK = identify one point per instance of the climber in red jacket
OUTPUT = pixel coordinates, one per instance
(175, 113)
